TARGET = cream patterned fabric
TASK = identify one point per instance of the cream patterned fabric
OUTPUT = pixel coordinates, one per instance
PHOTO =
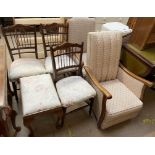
(79, 28)
(49, 66)
(103, 54)
(25, 67)
(38, 94)
(73, 90)
(123, 102)
(134, 85)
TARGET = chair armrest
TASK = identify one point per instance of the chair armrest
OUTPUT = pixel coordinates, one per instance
(96, 83)
(144, 81)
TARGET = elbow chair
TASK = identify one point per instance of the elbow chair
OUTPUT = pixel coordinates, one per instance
(119, 92)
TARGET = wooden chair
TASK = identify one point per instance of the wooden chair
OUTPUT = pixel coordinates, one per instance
(119, 92)
(72, 90)
(22, 44)
(52, 35)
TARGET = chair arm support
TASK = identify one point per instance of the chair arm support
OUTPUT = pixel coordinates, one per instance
(144, 81)
(96, 83)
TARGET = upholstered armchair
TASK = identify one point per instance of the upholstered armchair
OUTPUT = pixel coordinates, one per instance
(119, 92)
(78, 31)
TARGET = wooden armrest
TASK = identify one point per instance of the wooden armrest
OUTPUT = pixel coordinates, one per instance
(96, 83)
(146, 82)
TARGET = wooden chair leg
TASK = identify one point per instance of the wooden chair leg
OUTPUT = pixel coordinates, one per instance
(60, 115)
(91, 105)
(13, 120)
(27, 123)
(63, 117)
(15, 91)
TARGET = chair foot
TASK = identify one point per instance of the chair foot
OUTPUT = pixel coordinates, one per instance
(13, 120)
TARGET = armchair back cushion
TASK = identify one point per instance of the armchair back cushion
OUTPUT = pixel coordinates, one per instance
(79, 28)
(103, 54)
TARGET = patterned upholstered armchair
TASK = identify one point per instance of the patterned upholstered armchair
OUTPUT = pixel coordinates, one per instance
(118, 90)
(78, 31)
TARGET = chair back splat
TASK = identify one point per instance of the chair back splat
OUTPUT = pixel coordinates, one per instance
(53, 35)
(20, 40)
(67, 58)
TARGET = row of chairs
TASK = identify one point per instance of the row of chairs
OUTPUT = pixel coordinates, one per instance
(66, 60)
(21, 41)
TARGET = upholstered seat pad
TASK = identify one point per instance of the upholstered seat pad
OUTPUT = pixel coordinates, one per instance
(66, 61)
(74, 89)
(24, 67)
(122, 98)
(38, 94)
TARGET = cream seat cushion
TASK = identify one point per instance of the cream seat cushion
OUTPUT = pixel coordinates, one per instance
(49, 66)
(38, 94)
(123, 100)
(24, 67)
(73, 90)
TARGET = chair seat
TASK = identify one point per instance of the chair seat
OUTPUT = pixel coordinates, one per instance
(123, 100)
(49, 65)
(73, 90)
(24, 67)
(38, 94)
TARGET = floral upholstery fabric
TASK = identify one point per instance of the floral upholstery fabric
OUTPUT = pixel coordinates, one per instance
(73, 90)
(38, 94)
(79, 28)
(24, 67)
(103, 54)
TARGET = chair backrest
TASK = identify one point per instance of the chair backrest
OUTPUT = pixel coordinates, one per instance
(103, 54)
(20, 40)
(67, 58)
(79, 28)
(53, 35)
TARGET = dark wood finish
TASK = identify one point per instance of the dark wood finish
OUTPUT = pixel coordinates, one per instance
(151, 67)
(28, 120)
(20, 40)
(132, 22)
(53, 35)
(143, 35)
(60, 66)
(7, 114)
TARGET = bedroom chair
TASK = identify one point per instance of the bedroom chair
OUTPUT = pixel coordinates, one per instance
(71, 90)
(118, 90)
(22, 44)
(52, 35)
(78, 31)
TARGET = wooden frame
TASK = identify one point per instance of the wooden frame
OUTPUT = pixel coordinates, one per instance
(20, 39)
(27, 120)
(106, 94)
(53, 35)
(74, 52)
(151, 67)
